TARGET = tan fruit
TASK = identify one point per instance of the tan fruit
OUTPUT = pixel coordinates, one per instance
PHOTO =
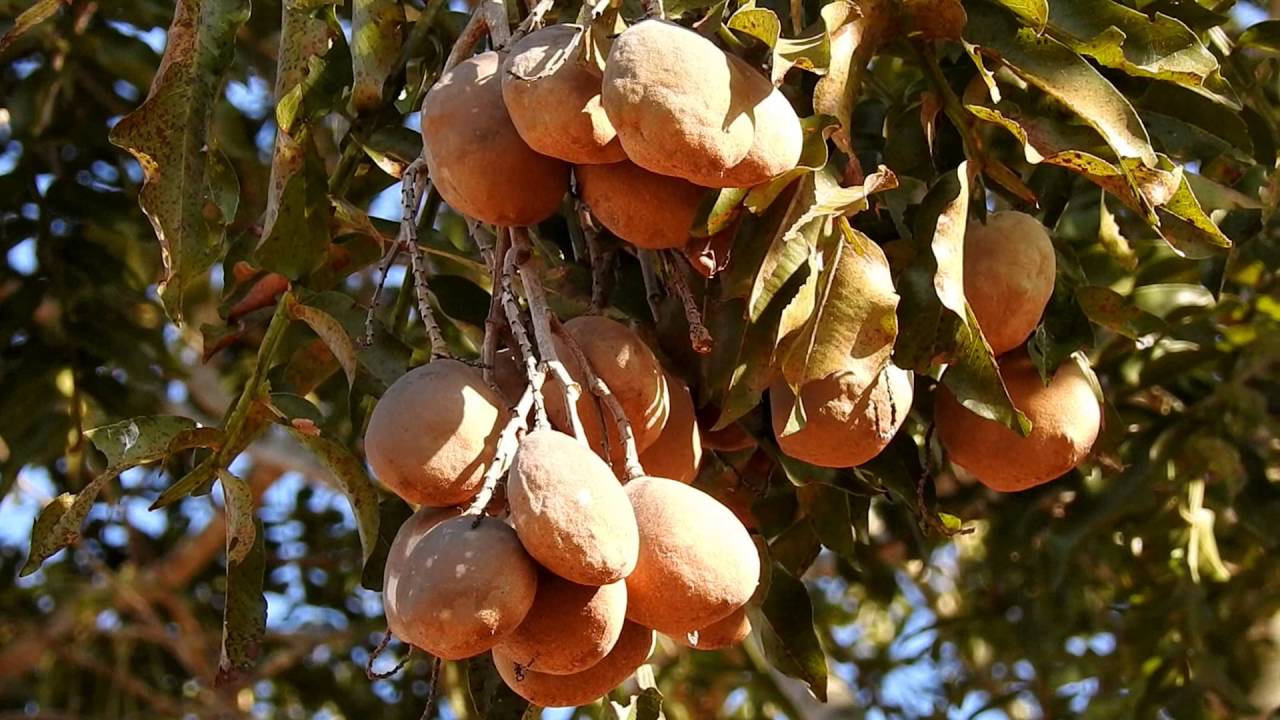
(678, 450)
(697, 562)
(546, 690)
(478, 161)
(1009, 271)
(570, 511)
(570, 628)
(559, 114)
(455, 590)
(778, 138)
(847, 422)
(676, 101)
(407, 538)
(721, 634)
(1065, 417)
(622, 360)
(648, 210)
(433, 432)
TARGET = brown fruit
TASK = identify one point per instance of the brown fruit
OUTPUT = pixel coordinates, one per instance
(400, 551)
(777, 140)
(546, 690)
(697, 562)
(622, 360)
(587, 406)
(678, 450)
(570, 628)
(648, 210)
(721, 634)
(679, 107)
(1009, 271)
(559, 114)
(849, 417)
(455, 590)
(1065, 417)
(478, 161)
(570, 511)
(433, 433)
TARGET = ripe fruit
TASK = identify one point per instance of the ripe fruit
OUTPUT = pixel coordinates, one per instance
(398, 555)
(560, 114)
(546, 690)
(678, 450)
(433, 432)
(570, 511)
(849, 417)
(1065, 416)
(588, 409)
(570, 628)
(778, 138)
(648, 210)
(697, 562)
(622, 360)
(721, 634)
(478, 161)
(676, 101)
(455, 590)
(1009, 270)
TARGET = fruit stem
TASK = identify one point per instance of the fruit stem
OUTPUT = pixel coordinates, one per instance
(536, 373)
(601, 258)
(489, 16)
(652, 288)
(699, 336)
(507, 442)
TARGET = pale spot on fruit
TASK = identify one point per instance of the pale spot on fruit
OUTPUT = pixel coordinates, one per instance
(459, 570)
(584, 497)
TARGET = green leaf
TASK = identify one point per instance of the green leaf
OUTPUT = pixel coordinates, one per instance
(335, 337)
(831, 511)
(244, 618)
(784, 624)
(1263, 36)
(796, 547)
(1114, 311)
(1033, 12)
(717, 211)
(140, 440)
(491, 697)
(974, 378)
(58, 524)
(296, 226)
(326, 79)
(392, 512)
(168, 134)
(760, 23)
(375, 47)
(355, 483)
(647, 705)
(238, 499)
(39, 11)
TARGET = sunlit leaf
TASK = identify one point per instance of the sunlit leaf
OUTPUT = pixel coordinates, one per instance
(375, 47)
(784, 624)
(244, 618)
(353, 480)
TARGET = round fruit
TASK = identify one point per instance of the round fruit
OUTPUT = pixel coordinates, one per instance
(433, 433)
(778, 138)
(588, 408)
(648, 210)
(621, 359)
(697, 562)
(678, 450)
(1065, 417)
(570, 511)
(676, 101)
(455, 590)
(558, 114)
(721, 634)
(847, 421)
(477, 160)
(1009, 270)
(570, 628)
(412, 530)
(546, 690)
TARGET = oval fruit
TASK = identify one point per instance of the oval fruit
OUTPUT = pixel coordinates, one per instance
(455, 590)
(570, 628)
(569, 510)
(433, 432)
(777, 140)
(648, 210)
(621, 359)
(477, 159)
(558, 113)
(721, 634)
(697, 562)
(846, 422)
(1009, 271)
(677, 452)
(632, 649)
(1065, 415)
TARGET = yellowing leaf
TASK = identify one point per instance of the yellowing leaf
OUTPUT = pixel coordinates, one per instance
(375, 47)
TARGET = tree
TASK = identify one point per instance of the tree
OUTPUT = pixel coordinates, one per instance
(185, 378)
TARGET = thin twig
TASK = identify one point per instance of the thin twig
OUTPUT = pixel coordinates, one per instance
(377, 651)
(652, 288)
(493, 321)
(384, 268)
(699, 336)
(533, 21)
(533, 370)
(601, 259)
(490, 16)
(435, 690)
(508, 441)
(411, 184)
(630, 456)
(653, 9)
(541, 316)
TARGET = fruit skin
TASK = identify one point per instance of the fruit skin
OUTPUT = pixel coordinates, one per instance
(677, 452)
(632, 649)
(1066, 418)
(477, 160)
(721, 634)
(1009, 271)
(697, 562)
(558, 115)
(433, 433)
(622, 360)
(850, 416)
(398, 555)
(588, 408)
(677, 103)
(778, 138)
(570, 628)
(454, 590)
(569, 510)
(648, 210)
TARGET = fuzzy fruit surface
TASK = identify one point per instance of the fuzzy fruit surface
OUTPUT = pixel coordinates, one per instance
(1009, 272)
(634, 645)
(677, 452)
(847, 421)
(455, 590)
(721, 634)
(648, 210)
(634, 376)
(433, 432)
(570, 627)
